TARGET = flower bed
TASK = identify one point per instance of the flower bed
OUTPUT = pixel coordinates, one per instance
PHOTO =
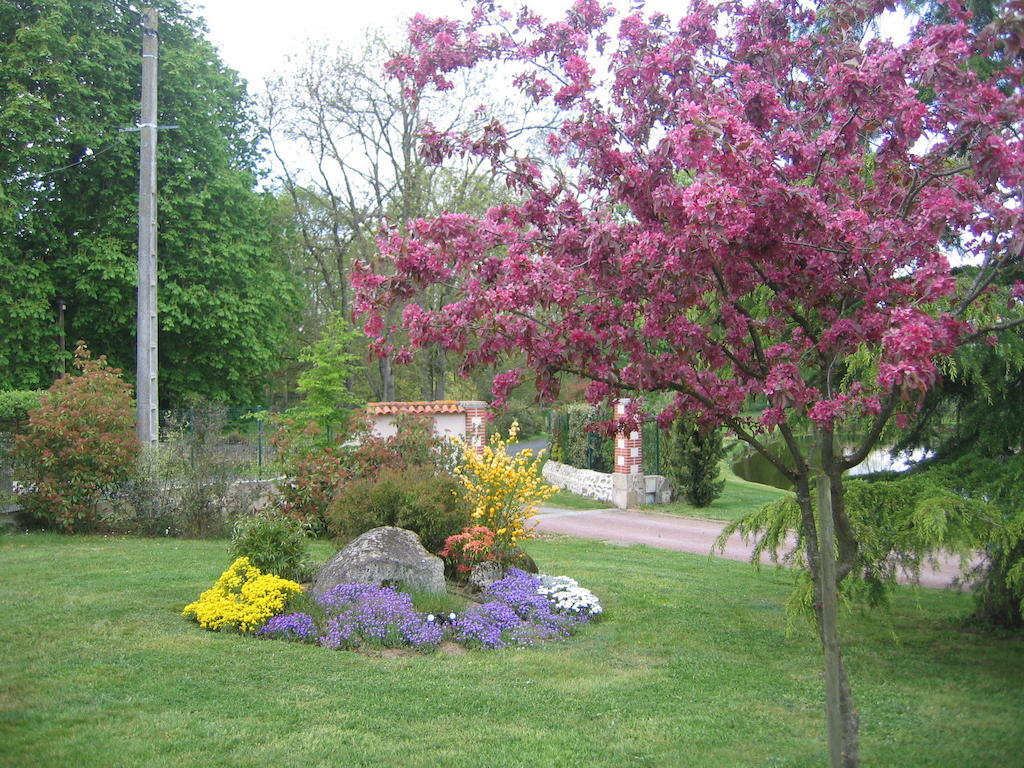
(518, 610)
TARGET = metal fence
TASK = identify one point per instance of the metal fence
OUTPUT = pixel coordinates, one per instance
(596, 451)
(234, 436)
(579, 448)
(653, 444)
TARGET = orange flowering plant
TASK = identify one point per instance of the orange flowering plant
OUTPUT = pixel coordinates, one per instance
(473, 546)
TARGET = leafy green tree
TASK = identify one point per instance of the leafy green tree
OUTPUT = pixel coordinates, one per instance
(327, 386)
(15, 406)
(978, 407)
(69, 97)
(973, 423)
(901, 523)
(363, 167)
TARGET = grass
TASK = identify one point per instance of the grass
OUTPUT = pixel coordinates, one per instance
(739, 497)
(566, 500)
(690, 667)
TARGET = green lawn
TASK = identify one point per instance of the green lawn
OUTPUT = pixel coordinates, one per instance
(566, 500)
(691, 667)
(739, 497)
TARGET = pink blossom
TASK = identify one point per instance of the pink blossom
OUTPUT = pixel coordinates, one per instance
(745, 213)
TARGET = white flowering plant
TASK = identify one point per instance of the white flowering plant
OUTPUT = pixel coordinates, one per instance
(565, 594)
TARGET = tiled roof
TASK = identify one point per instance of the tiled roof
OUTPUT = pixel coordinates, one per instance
(421, 406)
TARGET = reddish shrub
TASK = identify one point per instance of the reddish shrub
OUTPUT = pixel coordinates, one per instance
(473, 546)
(318, 468)
(79, 442)
(314, 467)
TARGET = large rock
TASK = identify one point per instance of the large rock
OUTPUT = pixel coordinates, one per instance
(484, 574)
(383, 556)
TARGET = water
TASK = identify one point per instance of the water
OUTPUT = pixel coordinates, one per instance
(757, 469)
(880, 460)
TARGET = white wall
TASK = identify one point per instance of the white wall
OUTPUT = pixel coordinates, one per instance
(446, 424)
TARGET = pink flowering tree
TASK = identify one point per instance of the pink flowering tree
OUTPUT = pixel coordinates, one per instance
(748, 207)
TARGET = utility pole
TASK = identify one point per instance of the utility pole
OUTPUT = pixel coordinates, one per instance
(146, 414)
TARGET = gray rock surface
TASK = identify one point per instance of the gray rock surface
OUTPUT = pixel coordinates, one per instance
(485, 574)
(385, 555)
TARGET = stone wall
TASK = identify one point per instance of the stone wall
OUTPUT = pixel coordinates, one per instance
(624, 491)
(584, 482)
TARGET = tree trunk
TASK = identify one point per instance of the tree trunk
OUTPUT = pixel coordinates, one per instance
(842, 717)
(844, 722)
(387, 379)
(440, 373)
(434, 370)
(848, 721)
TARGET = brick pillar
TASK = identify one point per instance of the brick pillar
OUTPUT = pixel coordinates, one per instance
(476, 423)
(629, 449)
(628, 479)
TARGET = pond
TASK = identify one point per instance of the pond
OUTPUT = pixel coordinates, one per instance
(757, 469)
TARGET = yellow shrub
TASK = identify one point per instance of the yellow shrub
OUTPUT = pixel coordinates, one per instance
(503, 491)
(243, 598)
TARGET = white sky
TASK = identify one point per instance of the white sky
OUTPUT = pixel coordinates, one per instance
(255, 37)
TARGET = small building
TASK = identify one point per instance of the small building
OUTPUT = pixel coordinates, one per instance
(465, 420)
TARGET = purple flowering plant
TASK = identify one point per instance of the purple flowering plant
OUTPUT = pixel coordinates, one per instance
(366, 614)
(516, 611)
(516, 614)
(297, 627)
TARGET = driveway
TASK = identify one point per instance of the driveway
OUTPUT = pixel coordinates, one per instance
(534, 445)
(684, 534)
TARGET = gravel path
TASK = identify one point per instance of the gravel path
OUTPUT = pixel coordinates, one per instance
(684, 534)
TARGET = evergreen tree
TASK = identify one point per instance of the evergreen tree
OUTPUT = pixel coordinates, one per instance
(693, 459)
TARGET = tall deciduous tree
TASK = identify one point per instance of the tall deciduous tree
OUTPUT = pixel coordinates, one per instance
(69, 96)
(762, 206)
(347, 142)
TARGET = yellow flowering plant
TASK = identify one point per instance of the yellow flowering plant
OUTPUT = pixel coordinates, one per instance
(503, 492)
(243, 598)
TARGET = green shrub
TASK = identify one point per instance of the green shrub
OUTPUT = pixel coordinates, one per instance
(318, 469)
(578, 446)
(274, 543)
(314, 468)
(429, 505)
(692, 462)
(203, 478)
(79, 442)
(188, 486)
(15, 406)
(998, 581)
(145, 504)
(532, 420)
(899, 525)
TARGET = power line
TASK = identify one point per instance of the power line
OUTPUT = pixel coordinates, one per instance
(81, 161)
(90, 155)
